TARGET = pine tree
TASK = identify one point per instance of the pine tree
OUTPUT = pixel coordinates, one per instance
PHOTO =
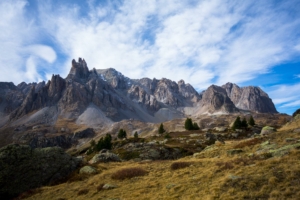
(161, 129)
(251, 121)
(244, 123)
(104, 143)
(122, 134)
(136, 135)
(237, 123)
(195, 126)
(188, 125)
(107, 142)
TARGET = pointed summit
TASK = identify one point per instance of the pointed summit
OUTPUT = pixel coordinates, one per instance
(79, 70)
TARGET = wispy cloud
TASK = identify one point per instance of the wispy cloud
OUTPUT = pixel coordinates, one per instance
(207, 41)
(286, 96)
(20, 52)
(202, 42)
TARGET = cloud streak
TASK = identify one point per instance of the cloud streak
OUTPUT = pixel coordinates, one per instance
(202, 42)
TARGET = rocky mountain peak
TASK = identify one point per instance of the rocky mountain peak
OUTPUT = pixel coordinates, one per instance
(215, 99)
(250, 98)
(79, 70)
(116, 79)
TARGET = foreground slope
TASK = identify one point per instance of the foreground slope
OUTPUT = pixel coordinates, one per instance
(262, 167)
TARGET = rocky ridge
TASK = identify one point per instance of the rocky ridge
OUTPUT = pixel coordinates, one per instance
(98, 98)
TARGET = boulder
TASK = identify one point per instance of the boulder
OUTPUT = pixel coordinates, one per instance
(267, 130)
(23, 168)
(86, 133)
(232, 152)
(105, 156)
(88, 170)
(220, 129)
(297, 130)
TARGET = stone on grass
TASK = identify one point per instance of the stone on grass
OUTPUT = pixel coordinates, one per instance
(232, 152)
(87, 170)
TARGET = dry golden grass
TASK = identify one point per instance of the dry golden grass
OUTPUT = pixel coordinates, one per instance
(261, 180)
(211, 175)
(249, 142)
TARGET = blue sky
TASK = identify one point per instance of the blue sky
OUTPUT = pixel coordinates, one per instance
(203, 42)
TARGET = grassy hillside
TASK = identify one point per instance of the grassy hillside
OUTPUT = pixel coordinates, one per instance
(264, 167)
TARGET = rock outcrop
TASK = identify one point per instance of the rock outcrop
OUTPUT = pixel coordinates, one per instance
(250, 98)
(23, 168)
(215, 100)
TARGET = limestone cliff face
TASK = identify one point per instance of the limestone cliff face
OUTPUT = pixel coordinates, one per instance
(215, 100)
(250, 98)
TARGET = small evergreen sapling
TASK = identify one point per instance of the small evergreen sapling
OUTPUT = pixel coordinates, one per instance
(251, 121)
(161, 129)
(136, 135)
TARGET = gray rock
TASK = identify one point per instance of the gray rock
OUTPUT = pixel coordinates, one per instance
(171, 185)
(235, 135)
(86, 133)
(88, 170)
(105, 156)
(109, 186)
(297, 130)
(267, 130)
(232, 152)
(220, 129)
(23, 168)
(290, 139)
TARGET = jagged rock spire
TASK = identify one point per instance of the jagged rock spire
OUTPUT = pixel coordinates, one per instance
(79, 70)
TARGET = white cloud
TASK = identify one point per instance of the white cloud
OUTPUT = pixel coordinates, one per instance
(43, 51)
(200, 43)
(19, 53)
(285, 96)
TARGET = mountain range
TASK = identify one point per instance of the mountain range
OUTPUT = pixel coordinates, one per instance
(96, 97)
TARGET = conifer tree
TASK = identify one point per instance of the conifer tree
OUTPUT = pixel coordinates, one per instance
(237, 123)
(136, 135)
(122, 134)
(188, 125)
(251, 121)
(244, 123)
(161, 129)
(195, 126)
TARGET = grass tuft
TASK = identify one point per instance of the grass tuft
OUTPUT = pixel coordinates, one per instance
(128, 173)
(179, 165)
(247, 143)
(100, 187)
(82, 192)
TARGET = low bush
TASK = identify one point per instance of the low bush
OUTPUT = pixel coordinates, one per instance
(179, 165)
(247, 143)
(225, 165)
(128, 173)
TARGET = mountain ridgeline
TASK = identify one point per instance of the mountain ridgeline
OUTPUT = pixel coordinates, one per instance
(102, 96)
